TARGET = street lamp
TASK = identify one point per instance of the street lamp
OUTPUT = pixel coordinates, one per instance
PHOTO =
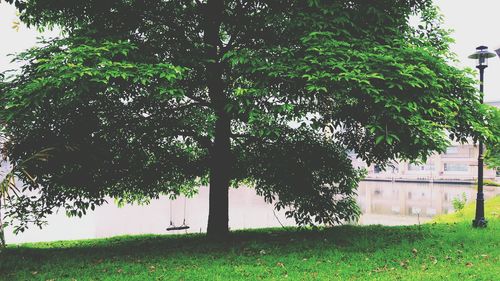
(481, 55)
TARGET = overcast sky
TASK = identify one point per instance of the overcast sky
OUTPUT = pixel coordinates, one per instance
(474, 23)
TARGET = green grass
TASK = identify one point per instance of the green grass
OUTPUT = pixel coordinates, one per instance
(491, 183)
(435, 251)
(492, 212)
(488, 183)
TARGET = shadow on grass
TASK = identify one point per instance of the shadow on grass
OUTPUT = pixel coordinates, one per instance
(241, 243)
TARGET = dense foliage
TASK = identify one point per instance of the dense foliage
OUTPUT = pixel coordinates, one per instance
(142, 98)
(492, 156)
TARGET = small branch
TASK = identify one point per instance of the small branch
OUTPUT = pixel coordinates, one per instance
(247, 137)
(202, 140)
(274, 213)
(199, 100)
(229, 46)
(182, 107)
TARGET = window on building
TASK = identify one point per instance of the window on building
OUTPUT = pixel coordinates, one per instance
(426, 167)
(456, 167)
(413, 167)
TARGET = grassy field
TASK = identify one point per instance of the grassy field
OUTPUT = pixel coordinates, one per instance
(435, 251)
(492, 213)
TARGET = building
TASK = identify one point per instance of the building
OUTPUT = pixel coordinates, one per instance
(458, 165)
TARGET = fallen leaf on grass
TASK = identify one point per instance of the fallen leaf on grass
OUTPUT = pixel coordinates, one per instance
(382, 269)
(404, 264)
(433, 259)
(469, 264)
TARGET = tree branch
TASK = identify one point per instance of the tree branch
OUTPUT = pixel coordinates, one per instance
(199, 100)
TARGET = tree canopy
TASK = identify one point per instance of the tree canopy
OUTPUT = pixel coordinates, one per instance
(492, 156)
(141, 98)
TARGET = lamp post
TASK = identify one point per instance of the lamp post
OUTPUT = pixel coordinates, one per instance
(481, 55)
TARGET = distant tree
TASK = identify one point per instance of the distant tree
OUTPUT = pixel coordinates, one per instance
(3, 194)
(492, 156)
(150, 97)
(9, 186)
(2, 227)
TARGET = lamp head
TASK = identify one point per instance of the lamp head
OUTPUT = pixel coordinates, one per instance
(481, 56)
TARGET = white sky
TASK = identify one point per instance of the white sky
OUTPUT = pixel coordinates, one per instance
(474, 22)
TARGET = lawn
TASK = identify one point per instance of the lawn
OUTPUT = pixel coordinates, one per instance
(435, 251)
(491, 207)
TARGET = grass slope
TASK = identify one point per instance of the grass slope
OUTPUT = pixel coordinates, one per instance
(491, 207)
(435, 251)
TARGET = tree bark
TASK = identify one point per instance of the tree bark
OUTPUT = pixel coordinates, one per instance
(220, 165)
(2, 231)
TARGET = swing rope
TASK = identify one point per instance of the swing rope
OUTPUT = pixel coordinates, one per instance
(171, 222)
(184, 219)
(172, 225)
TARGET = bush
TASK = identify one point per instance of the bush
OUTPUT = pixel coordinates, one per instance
(459, 203)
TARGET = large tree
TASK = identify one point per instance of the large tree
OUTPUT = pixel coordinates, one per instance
(149, 97)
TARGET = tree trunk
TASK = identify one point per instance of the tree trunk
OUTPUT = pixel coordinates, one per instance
(218, 217)
(2, 232)
(220, 165)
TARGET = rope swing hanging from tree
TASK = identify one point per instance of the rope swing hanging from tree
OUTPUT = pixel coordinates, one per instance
(172, 226)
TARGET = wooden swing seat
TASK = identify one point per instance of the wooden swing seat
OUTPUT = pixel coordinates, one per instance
(182, 227)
